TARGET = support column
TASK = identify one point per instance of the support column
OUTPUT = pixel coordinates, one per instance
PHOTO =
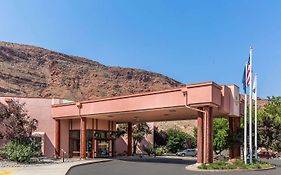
(237, 150)
(57, 138)
(130, 130)
(231, 130)
(83, 137)
(93, 138)
(208, 145)
(234, 126)
(200, 137)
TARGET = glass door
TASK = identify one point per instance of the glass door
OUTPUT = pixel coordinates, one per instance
(103, 148)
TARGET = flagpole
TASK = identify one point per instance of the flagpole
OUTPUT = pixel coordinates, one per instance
(256, 117)
(245, 126)
(250, 111)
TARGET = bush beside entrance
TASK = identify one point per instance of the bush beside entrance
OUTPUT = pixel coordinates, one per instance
(149, 150)
(237, 164)
(21, 151)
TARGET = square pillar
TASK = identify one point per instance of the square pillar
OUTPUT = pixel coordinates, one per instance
(208, 135)
(93, 139)
(237, 150)
(83, 137)
(57, 138)
(234, 126)
(231, 130)
(200, 137)
(130, 131)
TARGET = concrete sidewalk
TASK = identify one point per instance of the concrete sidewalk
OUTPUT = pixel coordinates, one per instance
(54, 169)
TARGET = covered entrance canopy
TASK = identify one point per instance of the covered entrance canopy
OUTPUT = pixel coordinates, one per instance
(201, 101)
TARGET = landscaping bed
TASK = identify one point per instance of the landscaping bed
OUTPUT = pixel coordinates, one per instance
(235, 165)
(34, 162)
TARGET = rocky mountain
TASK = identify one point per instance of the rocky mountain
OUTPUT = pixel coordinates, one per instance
(37, 72)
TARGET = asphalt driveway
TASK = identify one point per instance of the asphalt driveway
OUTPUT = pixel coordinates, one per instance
(165, 166)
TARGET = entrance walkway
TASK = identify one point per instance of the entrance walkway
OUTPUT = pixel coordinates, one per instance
(54, 169)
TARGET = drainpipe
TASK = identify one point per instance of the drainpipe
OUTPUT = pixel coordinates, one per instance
(202, 148)
(192, 108)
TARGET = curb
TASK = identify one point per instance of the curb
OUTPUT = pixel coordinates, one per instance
(193, 167)
(86, 163)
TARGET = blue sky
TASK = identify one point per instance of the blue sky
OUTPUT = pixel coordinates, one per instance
(190, 41)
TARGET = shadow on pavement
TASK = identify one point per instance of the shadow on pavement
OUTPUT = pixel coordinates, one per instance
(160, 160)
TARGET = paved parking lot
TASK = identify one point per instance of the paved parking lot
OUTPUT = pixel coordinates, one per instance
(165, 166)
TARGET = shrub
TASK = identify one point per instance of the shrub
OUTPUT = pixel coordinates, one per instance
(237, 164)
(21, 151)
(2, 155)
(231, 166)
(154, 151)
(203, 166)
(149, 150)
(160, 151)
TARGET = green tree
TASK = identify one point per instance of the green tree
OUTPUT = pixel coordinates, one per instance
(222, 137)
(121, 130)
(221, 132)
(140, 130)
(195, 135)
(178, 140)
(269, 124)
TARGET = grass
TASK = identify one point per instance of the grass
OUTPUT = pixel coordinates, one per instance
(237, 164)
(6, 172)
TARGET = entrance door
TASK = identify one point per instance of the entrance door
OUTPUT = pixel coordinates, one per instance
(103, 148)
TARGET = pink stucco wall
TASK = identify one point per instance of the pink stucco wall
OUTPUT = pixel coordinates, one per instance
(64, 136)
(102, 124)
(225, 105)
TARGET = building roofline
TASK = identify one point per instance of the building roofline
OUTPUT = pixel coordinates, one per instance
(207, 83)
(122, 96)
(142, 94)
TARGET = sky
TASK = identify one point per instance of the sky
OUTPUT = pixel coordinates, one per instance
(189, 41)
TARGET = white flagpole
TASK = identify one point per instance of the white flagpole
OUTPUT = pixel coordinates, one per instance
(245, 124)
(250, 110)
(256, 117)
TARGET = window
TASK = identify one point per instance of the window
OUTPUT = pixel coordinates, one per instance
(74, 142)
(74, 137)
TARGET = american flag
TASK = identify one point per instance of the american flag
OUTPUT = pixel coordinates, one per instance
(248, 73)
